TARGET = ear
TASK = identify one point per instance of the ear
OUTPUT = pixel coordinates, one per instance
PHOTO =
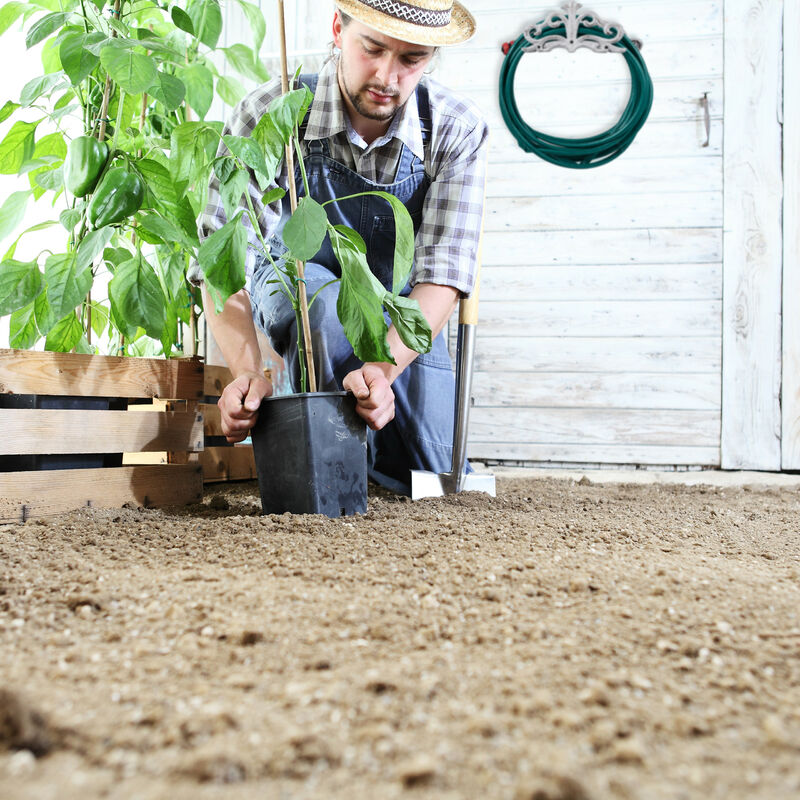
(337, 29)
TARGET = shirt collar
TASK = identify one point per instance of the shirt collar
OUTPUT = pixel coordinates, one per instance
(328, 116)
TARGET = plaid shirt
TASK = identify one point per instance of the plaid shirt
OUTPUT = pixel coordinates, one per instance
(455, 160)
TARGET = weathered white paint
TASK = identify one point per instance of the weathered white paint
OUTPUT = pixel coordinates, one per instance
(600, 340)
(751, 366)
(790, 395)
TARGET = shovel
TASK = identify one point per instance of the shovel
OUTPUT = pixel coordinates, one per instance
(431, 484)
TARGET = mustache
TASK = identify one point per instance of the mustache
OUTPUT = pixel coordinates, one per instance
(388, 91)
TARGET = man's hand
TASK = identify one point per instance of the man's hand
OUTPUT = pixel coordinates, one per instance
(240, 402)
(373, 393)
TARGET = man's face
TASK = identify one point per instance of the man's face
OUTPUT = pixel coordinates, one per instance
(377, 73)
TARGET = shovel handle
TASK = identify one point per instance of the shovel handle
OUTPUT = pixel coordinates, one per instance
(468, 307)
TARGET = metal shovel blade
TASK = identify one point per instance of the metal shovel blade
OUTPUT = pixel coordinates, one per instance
(433, 484)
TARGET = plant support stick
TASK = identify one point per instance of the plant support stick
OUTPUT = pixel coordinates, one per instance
(301, 287)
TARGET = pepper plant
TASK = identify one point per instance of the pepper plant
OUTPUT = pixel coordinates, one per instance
(114, 134)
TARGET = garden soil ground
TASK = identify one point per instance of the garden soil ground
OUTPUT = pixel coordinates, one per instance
(564, 641)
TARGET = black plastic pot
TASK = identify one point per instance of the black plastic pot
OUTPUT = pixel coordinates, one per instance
(311, 454)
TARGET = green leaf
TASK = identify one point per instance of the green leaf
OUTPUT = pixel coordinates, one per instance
(403, 240)
(114, 256)
(64, 335)
(36, 87)
(51, 149)
(245, 62)
(182, 20)
(51, 180)
(271, 142)
(20, 284)
(359, 305)
(174, 205)
(67, 282)
(207, 21)
(166, 231)
(137, 300)
(7, 110)
(276, 193)
(100, 318)
(256, 23)
(224, 167)
(43, 313)
(22, 331)
(189, 144)
(232, 190)
(221, 257)
(77, 60)
(70, 218)
(134, 72)
(51, 61)
(9, 14)
(17, 147)
(305, 230)
(353, 236)
(410, 322)
(168, 90)
(247, 151)
(289, 110)
(230, 90)
(12, 213)
(199, 83)
(92, 245)
(43, 27)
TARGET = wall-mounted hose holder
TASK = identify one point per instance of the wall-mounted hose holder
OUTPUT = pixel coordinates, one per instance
(572, 27)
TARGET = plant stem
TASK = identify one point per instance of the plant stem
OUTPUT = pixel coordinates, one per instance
(101, 134)
(301, 283)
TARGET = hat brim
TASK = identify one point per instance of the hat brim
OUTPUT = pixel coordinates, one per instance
(460, 29)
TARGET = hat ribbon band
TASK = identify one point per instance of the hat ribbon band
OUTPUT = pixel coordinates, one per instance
(410, 13)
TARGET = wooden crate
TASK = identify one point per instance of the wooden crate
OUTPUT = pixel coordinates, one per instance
(221, 461)
(171, 432)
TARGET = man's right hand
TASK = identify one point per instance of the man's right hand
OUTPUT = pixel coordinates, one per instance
(240, 402)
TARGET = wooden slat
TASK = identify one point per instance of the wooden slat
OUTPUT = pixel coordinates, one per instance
(603, 318)
(212, 425)
(215, 379)
(664, 354)
(790, 393)
(751, 371)
(29, 372)
(575, 426)
(587, 454)
(58, 431)
(228, 464)
(57, 491)
(617, 282)
(598, 390)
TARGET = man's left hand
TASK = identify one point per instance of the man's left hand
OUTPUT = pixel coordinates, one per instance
(373, 393)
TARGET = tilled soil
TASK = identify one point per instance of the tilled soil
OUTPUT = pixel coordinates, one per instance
(564, 641)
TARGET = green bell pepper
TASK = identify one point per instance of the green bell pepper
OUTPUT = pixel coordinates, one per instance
(119, 195)
(85, 160)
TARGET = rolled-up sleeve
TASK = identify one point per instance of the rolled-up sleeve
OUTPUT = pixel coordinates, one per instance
(446, 247)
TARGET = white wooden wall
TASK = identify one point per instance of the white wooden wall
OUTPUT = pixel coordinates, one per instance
(610, 332)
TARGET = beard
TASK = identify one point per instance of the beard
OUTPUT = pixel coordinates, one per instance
(361, 103)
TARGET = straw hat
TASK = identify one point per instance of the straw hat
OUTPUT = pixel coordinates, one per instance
(426, 22)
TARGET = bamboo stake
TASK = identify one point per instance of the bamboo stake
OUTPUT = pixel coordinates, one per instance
(312, 378)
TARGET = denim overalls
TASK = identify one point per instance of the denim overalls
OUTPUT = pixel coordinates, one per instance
(420, 436)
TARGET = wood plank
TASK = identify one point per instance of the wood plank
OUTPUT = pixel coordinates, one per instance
(235, 463)
(212, 420)
(56, 491)
(751, 372)
(215, 379)
(30, 372)
(58, 431)
(602, 318)
(581, 390)
(530, 176)
(616, 282)
(588, 455)
(651, 246)
(620, 212)
(662, 354)
(576, 426)
(790, 392)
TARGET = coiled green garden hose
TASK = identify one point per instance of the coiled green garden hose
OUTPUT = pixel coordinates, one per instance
(592, 151)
